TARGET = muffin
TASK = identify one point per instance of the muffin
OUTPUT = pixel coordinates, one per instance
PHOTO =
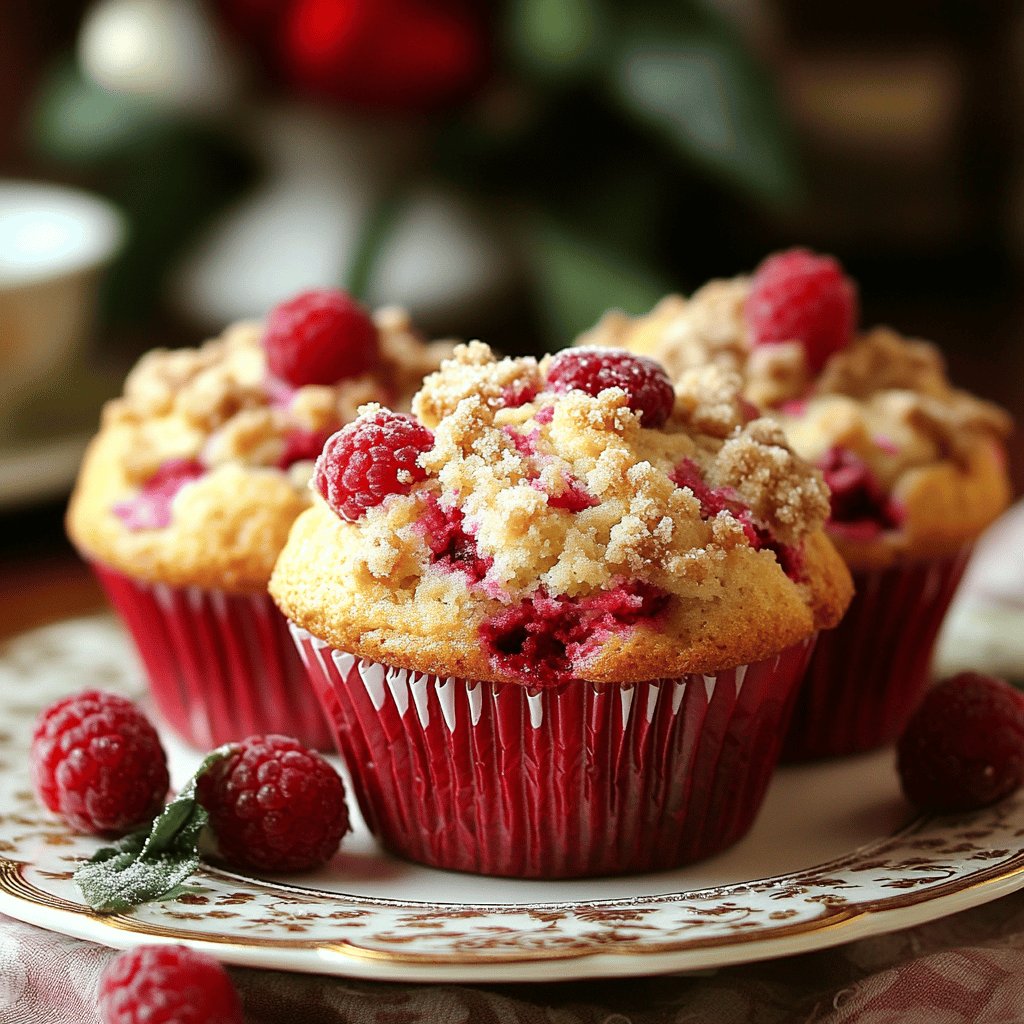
(556, 617)
(187, 493)
(916, 469)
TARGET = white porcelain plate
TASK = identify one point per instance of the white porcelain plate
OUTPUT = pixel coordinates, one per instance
(833, 856)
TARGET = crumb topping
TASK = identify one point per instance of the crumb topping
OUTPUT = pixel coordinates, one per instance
(462, 378)
(571, 503)
(554, 537)
(217, 404)
(885, 398)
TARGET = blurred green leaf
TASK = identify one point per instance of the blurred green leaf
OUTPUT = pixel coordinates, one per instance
(701, 89)
(170, 186)
(559, 39)
(77, 121)
(169, 173)
(578, 280)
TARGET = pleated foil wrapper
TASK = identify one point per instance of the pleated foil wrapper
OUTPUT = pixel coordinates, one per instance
(220, 666)
(577, 780)
(869, 673)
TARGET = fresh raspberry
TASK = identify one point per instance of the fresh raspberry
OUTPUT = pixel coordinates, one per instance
(97, 762)
(274, 805)
(167, 985)
(964, 746)
(320, 337)
(594, 369)
(800, 296)
(369, 459)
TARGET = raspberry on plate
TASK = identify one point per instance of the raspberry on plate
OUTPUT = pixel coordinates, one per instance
(594, 369)
(320, 337)
(167, 985)
(274, 805)
(964, 746)
(800, 296)
(98, 763)
(369, 459)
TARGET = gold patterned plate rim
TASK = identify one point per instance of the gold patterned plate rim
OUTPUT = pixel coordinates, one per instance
(915, 873)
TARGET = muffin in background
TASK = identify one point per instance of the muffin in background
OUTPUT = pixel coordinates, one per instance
(556, 617)
(187, 493)
(916, 468)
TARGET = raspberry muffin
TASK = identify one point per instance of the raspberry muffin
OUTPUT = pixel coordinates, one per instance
(916, 470)
(556, 617)
(187, 494)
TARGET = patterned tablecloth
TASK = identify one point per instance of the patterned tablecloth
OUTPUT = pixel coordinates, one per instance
(965, 968)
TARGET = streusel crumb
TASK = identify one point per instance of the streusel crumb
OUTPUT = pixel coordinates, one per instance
(884, 401)
(219, 408)
(565, 497)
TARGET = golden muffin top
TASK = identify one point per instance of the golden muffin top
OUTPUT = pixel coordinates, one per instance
(201, 466)
(573, 518)
(915, 465)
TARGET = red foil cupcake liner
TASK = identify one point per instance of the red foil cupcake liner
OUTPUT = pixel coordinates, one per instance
(869, 673)
(221, 666)
(572, 781)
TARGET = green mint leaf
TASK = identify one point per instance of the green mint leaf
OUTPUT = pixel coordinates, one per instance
(149, 864)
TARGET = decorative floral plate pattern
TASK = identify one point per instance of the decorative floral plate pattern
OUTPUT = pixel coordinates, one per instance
(499, 930)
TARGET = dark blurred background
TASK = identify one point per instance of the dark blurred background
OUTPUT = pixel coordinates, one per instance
(507, 171)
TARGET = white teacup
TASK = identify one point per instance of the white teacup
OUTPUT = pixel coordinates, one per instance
(54, 241)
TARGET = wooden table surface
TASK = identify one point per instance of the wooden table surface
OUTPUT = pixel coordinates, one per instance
(42, 580)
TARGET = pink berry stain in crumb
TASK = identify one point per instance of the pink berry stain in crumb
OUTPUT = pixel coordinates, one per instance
(886, 444)
(546, 641)
(574, 497)
(714, 500)
(452, 547)
(749, 410)
(301, 445)
(150, 509)
(794, 407)
(526, 444)
(545, 415)
(861, 510)
(518, 393)
(279, 392)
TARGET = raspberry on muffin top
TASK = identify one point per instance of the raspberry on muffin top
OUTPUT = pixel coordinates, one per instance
(915, 465)
(572, 518)
(203, 463)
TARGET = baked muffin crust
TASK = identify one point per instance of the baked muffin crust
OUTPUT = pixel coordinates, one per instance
(934, 452)
(252, 439)
(565, 505)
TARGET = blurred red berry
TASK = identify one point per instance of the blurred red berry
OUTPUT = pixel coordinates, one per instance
(386, 55)
(167, 985)
(320, 337)
(800, 296)
(964, 746)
